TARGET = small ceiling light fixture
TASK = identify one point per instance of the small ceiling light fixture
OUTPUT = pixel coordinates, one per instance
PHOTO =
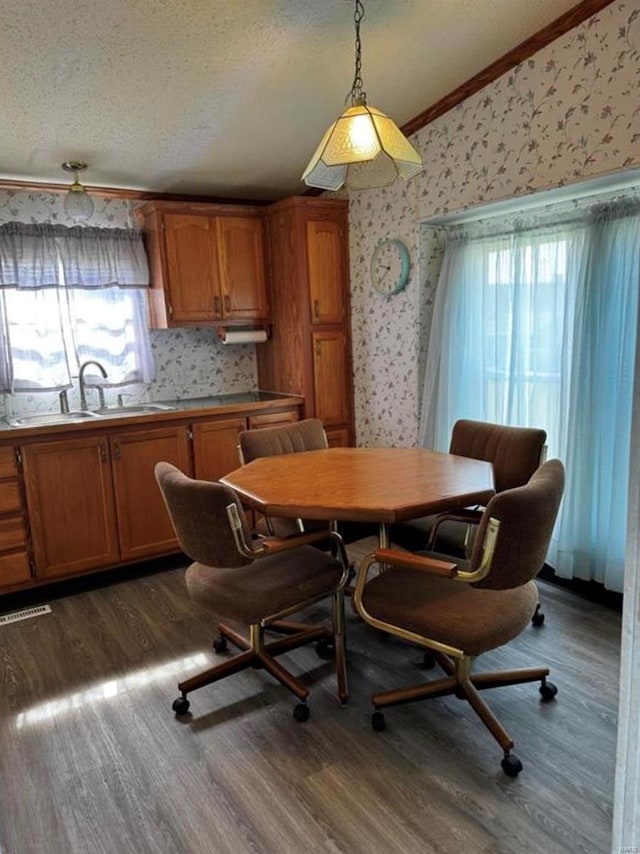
(363, 148)
(78, 204)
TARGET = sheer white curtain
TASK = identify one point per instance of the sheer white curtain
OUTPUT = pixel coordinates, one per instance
(537, 327)
(68, 295)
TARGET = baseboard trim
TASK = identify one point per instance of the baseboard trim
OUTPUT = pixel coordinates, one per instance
(83, 583)
(591, 590)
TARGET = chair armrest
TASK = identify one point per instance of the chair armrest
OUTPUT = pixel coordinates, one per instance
(406, 560)
(273, 545)
(390, 557)
(468, 516)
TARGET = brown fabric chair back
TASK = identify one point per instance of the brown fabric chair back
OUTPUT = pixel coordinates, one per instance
(527, 515)
(514, 451)
(197, 511)
(305, 435)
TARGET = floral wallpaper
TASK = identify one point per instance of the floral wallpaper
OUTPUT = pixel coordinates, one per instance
(569, 113)
(189, 362)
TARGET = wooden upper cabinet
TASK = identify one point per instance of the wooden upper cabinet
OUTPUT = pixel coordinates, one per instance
(309, 350)
(207, 263)
(192, 268)
(243, 284)
(325, 258)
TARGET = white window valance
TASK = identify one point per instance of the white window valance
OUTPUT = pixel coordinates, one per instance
(38, 255)
(68, 295)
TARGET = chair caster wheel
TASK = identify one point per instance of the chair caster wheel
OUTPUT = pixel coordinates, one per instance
(220, 644)
(378, 722)
(181, 706)
(324, 649)
(301, 713)
(548, 691)
(511, 765)
(538, 616)
(428, 661)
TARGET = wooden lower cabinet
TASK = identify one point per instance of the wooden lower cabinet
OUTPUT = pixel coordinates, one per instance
(338, 438)
(73, 504)
(69, 491)
(330, 376)
(215, 447)
(273, 419)
(144, 527)
(15, 565)
(94, 501)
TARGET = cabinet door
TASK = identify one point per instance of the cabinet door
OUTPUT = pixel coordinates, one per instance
(192, 268)
(144, 527)
(338, 438)
(331, 383)
(327, 274)
(215, 447)
(70, 505)
(242, 267)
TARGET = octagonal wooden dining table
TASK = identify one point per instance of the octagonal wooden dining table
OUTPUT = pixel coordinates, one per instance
(382, 485)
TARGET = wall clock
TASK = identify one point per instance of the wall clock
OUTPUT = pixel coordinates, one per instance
(390, 266)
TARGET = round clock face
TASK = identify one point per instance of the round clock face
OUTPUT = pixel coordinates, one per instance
(390, 265)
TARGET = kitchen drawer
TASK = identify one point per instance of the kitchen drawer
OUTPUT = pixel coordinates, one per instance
(272, 419)
(8, 466)
(14, 568)
(10, 500)
(13, 534)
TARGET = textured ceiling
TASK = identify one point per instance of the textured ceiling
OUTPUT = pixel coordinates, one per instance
(223, 97)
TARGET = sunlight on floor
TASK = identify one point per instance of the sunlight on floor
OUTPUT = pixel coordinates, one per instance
(107, 690)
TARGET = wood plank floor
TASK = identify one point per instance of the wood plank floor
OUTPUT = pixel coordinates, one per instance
(93, 761)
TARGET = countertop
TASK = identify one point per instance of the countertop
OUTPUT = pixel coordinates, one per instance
(221, 404)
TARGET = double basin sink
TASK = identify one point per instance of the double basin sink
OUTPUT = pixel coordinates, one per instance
(45, 419)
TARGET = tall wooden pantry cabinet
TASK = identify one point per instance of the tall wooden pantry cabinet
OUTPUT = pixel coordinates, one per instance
(309, 352)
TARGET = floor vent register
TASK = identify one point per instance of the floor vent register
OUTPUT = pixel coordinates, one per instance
(25, 614)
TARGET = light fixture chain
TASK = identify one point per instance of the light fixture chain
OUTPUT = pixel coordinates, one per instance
(357, 95)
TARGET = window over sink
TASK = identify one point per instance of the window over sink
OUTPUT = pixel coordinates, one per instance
(68, 295)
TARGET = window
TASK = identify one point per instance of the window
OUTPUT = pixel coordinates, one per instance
(69, 295)
(536, 326)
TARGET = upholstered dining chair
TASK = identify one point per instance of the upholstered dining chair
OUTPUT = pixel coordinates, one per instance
(516, 452)
(458, 610)
(306, 435)
(252, 583)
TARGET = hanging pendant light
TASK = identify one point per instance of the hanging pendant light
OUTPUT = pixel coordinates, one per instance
(363, 148)
(78, 204)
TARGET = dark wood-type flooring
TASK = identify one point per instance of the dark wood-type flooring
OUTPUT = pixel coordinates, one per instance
(93, 761)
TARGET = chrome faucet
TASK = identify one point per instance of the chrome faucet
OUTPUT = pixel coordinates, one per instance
(83, 395)
(64, 401)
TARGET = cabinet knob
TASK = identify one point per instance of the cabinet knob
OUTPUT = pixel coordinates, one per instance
(227, 303)
(316, 309)
(103, 453)
(216, 304)
(116, 449)
(318, 348)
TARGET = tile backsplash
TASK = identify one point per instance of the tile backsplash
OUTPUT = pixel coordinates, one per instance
(189, 363)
